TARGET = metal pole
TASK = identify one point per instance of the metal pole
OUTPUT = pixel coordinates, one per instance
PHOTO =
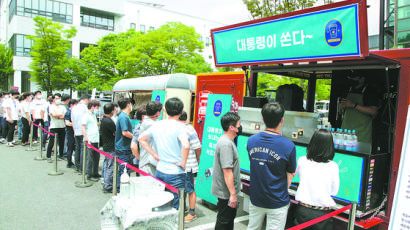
(55, 172)
(181, 193)
(114, 177)
(30, 148)
(84, 183)
(40, 158)
(352, 216)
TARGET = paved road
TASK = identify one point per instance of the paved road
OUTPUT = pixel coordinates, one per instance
(31, 199)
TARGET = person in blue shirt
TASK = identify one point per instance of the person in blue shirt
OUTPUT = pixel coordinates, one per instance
(123, 135)
(272, 165)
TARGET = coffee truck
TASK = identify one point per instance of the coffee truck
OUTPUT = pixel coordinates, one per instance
(158, 88)
(326, 42)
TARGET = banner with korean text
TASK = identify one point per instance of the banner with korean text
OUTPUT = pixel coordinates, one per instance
(217, 106)
(324, 34)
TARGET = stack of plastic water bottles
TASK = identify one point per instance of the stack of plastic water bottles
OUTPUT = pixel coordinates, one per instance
(345, 139)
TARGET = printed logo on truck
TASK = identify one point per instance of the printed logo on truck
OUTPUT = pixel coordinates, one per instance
(333, 33)
(203, 100)
(158, 98)
(218, 108)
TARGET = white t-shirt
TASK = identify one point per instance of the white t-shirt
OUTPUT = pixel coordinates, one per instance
(25, 108)
(13, 105)
(77, 116)
(57, 110)
(38, 106)
(318, 182)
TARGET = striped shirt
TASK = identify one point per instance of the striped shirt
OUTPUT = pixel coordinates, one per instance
(194, 143)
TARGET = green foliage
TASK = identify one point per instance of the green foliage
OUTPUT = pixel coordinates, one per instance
(102, 61)
(50, 59)
(272, 82)
(171, 48)
(6, 65)
(266, 8)
(76, 73)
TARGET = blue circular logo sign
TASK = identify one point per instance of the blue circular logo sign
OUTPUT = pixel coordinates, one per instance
(218, 108)
(334, 33)
(158, 98)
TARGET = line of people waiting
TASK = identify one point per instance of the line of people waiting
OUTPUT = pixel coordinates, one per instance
(170, 150)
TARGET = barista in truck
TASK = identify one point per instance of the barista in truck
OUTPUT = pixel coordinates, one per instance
(360, 106)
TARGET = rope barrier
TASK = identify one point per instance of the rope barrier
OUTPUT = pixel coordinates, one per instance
(52, 134)
(320, 219)
(173, 189)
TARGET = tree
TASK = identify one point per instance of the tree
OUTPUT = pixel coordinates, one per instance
(76, 74)
(266, 8)
(103, 60)
(174, 47)
(49, 51)
(6, 65)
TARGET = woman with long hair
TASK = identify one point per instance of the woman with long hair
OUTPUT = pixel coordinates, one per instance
(319, 180)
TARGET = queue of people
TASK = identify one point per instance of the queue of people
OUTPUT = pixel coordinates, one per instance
(170, 150)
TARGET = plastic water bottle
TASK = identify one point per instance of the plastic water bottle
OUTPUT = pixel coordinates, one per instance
(354, 141)
(349, 144)
(339, 139)
(345, 139)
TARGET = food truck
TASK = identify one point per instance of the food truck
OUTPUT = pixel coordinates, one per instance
(326, 42)
(159, 88)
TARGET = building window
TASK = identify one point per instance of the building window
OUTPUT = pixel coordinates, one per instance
(20, 45)
(57, 11)
(98, 20)
(151, 28)
(25, 81)
(133, 26)
(142, 28)
(207, 41)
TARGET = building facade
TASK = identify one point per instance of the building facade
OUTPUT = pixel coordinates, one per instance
(93, 20)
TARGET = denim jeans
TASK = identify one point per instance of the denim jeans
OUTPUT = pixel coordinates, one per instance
(46, 126)
(108, 167)
(1, 125)
(20, 128)
(70, 146)
(78, 157)
(125, 156)
(175, 180)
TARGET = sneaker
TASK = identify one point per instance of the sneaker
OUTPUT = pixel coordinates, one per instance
(92, 179)
(189, 218)
(70, 165)
(14, 143)
(107, 190)
(10, 144)
(43, 149)
(49, 160)
(35, 142)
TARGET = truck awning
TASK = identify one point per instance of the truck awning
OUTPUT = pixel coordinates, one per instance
(159, 82)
